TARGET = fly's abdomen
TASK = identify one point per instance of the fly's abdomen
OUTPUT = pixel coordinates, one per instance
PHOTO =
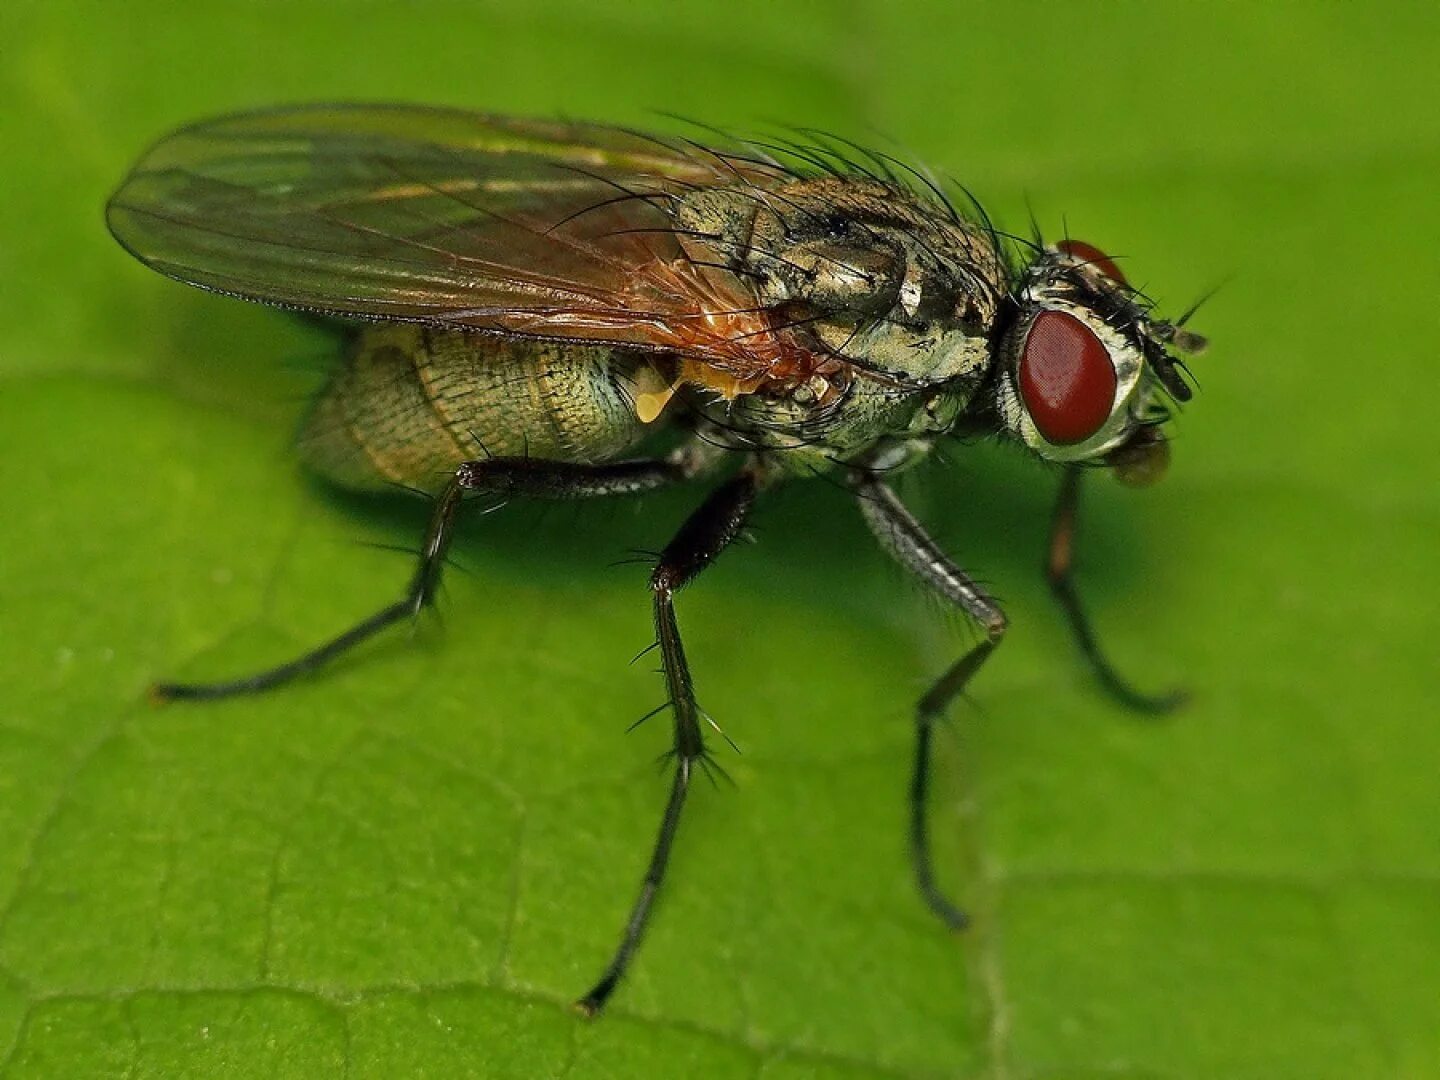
(410, 404)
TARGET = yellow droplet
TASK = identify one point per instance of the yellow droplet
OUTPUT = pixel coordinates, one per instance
(652, 392)
(649, 405)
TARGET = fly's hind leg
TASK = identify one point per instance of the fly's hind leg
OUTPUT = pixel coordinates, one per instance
(906, 541)
(704, 536)
(496, 476)
(1059, 565)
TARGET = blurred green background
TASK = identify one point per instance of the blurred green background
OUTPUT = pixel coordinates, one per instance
(410, 868)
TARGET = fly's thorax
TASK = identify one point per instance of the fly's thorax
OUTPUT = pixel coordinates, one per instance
(803, 433)
(409, 404)
(877, 276)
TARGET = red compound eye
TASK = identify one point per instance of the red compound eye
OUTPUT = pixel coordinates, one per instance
(1066, 378)
(1089, 253)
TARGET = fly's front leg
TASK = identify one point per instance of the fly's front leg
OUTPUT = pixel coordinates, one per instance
(495, 476)
(906, 540)
(1059, 566)
(704, 535)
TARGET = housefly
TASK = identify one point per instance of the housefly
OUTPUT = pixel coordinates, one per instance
(567, 311)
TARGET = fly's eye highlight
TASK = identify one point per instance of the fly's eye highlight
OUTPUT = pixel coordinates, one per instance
(1092, 256)
(1066, 378)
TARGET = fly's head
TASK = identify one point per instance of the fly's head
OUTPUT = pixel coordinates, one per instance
(1084, 368)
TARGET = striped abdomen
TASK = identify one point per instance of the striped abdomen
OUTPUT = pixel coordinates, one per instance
(410, 404)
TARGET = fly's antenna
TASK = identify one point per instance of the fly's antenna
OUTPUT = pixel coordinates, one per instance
(1198, 304)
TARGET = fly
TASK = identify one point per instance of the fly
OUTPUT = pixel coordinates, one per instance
(570, 311)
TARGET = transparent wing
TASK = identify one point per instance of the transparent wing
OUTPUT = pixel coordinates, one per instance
(448, 217)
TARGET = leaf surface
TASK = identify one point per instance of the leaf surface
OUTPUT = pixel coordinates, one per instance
(410, 866)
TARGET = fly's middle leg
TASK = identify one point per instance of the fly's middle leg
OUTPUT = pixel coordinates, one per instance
(1059, 566)
(496, 476)
(906, 541)
(707, 532)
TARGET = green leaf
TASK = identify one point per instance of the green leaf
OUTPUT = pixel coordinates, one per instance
(410, 866)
